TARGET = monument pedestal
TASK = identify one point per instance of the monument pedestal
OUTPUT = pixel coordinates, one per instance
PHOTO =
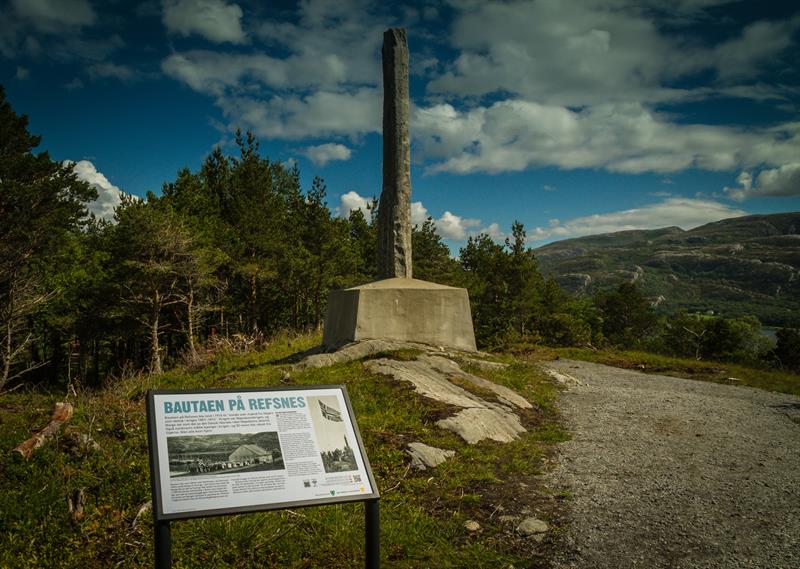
(402, 309)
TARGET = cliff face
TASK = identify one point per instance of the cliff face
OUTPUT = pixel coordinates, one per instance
(738, 266)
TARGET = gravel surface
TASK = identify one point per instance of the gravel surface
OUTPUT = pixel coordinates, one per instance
(668, 472)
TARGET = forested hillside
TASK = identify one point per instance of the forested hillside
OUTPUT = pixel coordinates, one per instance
(734, 267)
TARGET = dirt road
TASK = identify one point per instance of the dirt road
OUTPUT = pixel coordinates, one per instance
(675, 473)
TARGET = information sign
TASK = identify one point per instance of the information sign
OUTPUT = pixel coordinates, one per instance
(229, 451)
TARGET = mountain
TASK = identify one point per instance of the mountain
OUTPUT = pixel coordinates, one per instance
(734, 267)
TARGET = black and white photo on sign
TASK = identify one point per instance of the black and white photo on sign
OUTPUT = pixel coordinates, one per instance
(229, 453)
(335, 448)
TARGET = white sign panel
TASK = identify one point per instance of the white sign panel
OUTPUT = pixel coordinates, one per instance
(228, 451)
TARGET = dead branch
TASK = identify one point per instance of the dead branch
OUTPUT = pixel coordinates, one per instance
(143, 509)
(61, 414)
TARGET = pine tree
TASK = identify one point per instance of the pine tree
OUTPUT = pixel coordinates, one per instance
(41, 204)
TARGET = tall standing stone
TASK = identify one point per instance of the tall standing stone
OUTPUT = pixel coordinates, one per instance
(394, 211)
(397, 306)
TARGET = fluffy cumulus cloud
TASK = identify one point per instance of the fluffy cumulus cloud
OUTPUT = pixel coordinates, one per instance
(455, 227)
(783, 181)
(685, 213)
(54, 16)
(108, 195)
(513, 135)
(321, 113)
(350, 201)
(214, 20)
(324, 153)
(419, 213)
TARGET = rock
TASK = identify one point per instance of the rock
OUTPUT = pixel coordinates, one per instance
(483, 364)
(503, 393)
(475, 424)
(472, 525)
(478, 420)
(562, 378)
(355, 351)
(424, 456)
(427, 381)
(533, 528)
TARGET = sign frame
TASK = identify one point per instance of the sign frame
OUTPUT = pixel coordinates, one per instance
(156, 466)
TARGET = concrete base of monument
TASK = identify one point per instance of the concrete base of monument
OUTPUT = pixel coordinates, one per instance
(408, 310)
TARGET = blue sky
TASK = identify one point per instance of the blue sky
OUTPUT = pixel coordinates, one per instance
(572, 117)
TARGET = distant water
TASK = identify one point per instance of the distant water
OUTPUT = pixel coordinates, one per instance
(770, 333)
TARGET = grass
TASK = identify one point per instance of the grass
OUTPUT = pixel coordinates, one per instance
(716, 372)
(422, 513)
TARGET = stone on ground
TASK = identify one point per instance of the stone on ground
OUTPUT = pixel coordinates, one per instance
(478, 420)
(534, 528)
(503, 393)
(424, 456)
(475, 424)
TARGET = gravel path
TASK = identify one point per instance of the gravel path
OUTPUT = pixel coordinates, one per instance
(676, 473)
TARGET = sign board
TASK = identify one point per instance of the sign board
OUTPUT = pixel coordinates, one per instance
(227, 451)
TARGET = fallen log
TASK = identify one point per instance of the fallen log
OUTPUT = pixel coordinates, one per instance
(61, 414)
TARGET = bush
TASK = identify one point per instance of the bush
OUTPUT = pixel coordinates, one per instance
(787, 350)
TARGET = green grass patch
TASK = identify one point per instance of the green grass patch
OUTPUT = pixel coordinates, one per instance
(716, 372)
(422, 512)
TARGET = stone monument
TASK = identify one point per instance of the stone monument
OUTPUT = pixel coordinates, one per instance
(398, 307)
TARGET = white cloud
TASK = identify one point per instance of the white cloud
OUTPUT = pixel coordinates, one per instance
(783, 181)
(548, 188)
(740, 57)
(322, 113)
(108, 195)
(108, 70)
(53, 16)
(324, 153)
(22, 73)
(449, 226)
(494, 232)
(325, 80)
(215, 20)
(580, 53)
(350, 201)
(419, 213)
(681, 212)
(513, 135)
(455, 227)
(74, 84)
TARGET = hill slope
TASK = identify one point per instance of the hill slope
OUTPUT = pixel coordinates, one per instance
(738, 266)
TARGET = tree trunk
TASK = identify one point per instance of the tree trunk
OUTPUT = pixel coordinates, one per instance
(190, 323)
(155, 356)
(61, 414)
(7, 352)
(254, 303)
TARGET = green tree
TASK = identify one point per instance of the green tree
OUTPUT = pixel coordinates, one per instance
(628, 318)
(364, 243)
(432, 260)
(156, 258)
(787, 349)
(42, 204)
(505, 288)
